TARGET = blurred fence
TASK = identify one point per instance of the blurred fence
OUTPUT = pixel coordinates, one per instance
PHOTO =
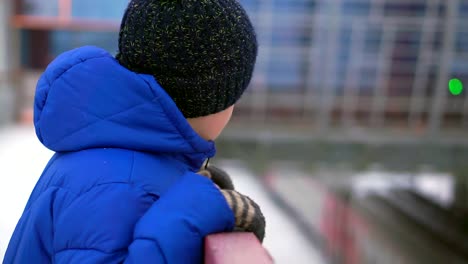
(361, 62)
(371, 64)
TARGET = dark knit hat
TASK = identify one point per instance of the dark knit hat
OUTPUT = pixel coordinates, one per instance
(202, 52)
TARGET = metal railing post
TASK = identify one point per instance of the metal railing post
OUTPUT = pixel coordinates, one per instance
(440, 96)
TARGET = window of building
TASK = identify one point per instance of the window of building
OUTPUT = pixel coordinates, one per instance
(102, 9)
(463, 8)
(357, 7)
(38, 8)
(294, 6)
(48, 28)
(461, 42)
(415, 8)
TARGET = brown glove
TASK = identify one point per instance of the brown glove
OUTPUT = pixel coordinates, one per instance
(249, 217)
(218, 176)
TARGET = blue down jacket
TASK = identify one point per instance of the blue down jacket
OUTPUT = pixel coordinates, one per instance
(121, 187)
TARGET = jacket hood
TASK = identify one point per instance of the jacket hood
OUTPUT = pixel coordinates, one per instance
(86, 99)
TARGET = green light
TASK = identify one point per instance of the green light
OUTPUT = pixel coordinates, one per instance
(455, 87)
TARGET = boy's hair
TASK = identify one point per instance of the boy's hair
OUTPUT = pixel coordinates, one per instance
(202, 52)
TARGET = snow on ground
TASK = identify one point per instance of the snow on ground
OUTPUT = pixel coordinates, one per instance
(22, 159)
(283, 239)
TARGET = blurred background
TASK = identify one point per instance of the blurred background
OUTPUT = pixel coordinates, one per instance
(348, 134)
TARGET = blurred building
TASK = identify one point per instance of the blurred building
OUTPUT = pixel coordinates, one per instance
(6, 89)
(361, 63)
(324, 66)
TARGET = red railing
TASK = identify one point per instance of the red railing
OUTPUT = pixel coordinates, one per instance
(235, 248)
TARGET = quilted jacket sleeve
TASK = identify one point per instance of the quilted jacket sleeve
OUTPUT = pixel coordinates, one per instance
(119, 225)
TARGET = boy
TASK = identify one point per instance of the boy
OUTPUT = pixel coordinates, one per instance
(130, 133)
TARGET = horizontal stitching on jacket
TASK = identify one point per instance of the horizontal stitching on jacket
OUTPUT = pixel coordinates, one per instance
(133, 187)
(93, 249)
(108, 183)
(87, 191)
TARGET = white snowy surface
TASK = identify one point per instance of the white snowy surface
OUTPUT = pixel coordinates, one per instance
(22, 159)
(283, 239)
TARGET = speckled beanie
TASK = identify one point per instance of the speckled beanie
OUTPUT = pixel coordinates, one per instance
(202, 52)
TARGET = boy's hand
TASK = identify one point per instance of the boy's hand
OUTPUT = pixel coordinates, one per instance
(249, 217)
(219, 177)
